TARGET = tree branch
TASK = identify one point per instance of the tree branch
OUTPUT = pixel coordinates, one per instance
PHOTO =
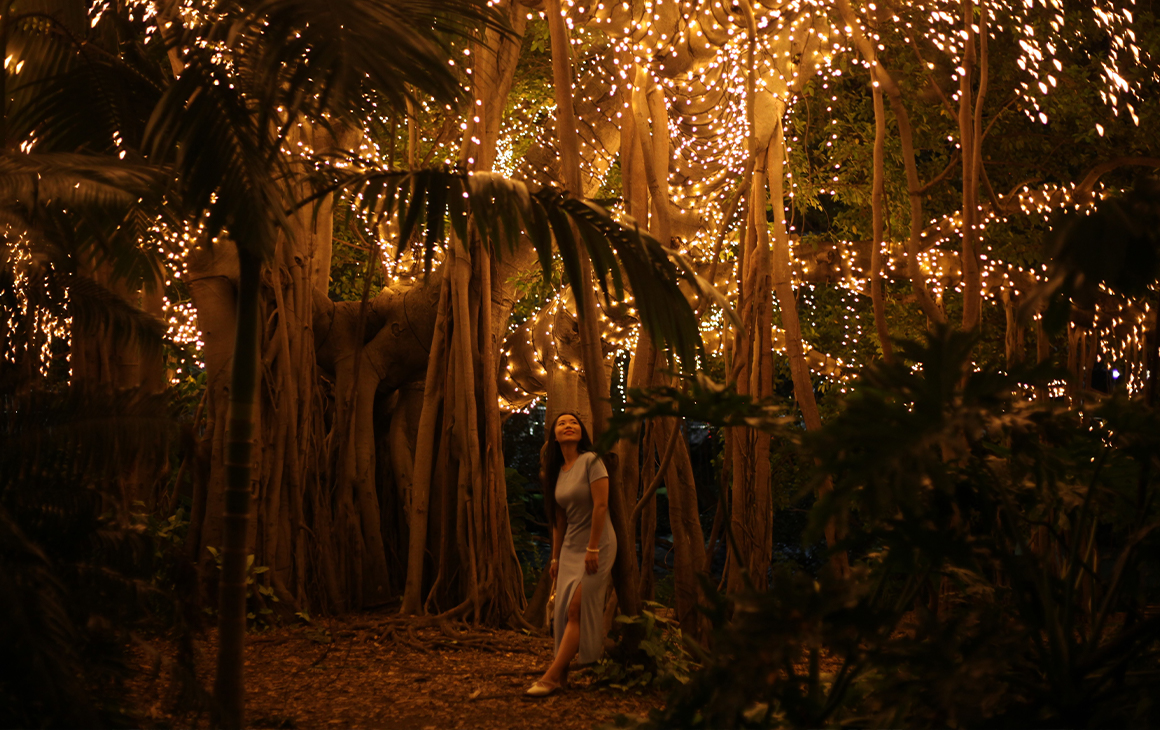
(1082, 193)
(942, 175)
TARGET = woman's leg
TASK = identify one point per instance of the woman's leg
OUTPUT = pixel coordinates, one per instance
(569, 643)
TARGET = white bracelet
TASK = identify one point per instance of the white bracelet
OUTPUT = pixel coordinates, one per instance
(593, 550)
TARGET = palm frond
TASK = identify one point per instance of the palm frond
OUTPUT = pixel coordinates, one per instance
(75, 181)
(72, 95)
(352, 57)
(90, 436)
(97, 309)
(65, 208)
(227, 166)
(506, 212)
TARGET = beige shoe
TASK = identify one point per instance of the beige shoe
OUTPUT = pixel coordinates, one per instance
(542, 689)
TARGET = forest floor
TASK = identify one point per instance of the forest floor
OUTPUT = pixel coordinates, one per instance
(373, 670)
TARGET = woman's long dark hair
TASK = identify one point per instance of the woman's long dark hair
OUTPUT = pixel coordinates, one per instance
(552, 458)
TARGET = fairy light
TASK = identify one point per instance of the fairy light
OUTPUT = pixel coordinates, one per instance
(695, 56)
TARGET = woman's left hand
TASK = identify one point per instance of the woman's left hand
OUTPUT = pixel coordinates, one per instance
(591, 562)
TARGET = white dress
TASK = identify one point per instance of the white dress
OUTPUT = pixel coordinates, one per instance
(574, 496)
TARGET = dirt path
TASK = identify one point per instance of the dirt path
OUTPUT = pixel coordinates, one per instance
(371, 671)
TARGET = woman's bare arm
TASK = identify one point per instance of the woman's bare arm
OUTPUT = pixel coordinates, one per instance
(599, 510)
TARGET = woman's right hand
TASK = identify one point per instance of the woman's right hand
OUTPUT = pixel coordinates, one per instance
(554, 569)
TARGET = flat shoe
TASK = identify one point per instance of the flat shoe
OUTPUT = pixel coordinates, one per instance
(541, 689)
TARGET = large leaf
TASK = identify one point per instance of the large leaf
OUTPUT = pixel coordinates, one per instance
(253, 72)
(75, 181)
(228, 166)
(66, 208)
(354, 56)
(506, 212)
(75, 96)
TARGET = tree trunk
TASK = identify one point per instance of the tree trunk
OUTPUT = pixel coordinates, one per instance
(971, 139)
(212, 271)
(752, 372)
(424, 457)
(882, 77)
(229, 697)
(802, 386)
(878, 203)
(640, 375)
(466, 529)
(647, 506)
(688, 539)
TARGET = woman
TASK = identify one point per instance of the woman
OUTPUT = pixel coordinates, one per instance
(583, 546)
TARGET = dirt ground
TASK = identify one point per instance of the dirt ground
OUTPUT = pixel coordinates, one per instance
(375, 671)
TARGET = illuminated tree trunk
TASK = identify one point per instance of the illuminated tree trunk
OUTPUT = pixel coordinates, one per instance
(438, 588)
(752, 372)
(751, 368)
(458, 501)
(880, 76)
(312, 546)
(878, 203)
(971, 140)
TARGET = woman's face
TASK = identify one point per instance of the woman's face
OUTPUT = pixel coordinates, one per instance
(567, 429)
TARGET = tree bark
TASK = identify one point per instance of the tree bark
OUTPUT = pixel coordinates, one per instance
(878, 203)
(424, 456)
(970, 138)
(688, 539)
(879, 74)
(214, 296)
(799, 370)
(229, 697)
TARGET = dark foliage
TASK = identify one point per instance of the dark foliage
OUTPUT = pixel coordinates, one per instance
(77, 572)
(1115, 246)
(1009, 543)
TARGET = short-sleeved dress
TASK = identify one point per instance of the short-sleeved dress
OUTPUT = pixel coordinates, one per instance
(574, 496)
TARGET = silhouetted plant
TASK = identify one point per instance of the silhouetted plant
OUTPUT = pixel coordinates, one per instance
(664, 658)
(961, 487)
(77, 573)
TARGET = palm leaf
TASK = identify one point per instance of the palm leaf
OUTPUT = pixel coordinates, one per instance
(82, 435)
(94, 207)
(98, 310)
(74, 95)
(415, 209)
(505, 212)
(352, 57)
(653, 276)
(75, 181)
(227, 166)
